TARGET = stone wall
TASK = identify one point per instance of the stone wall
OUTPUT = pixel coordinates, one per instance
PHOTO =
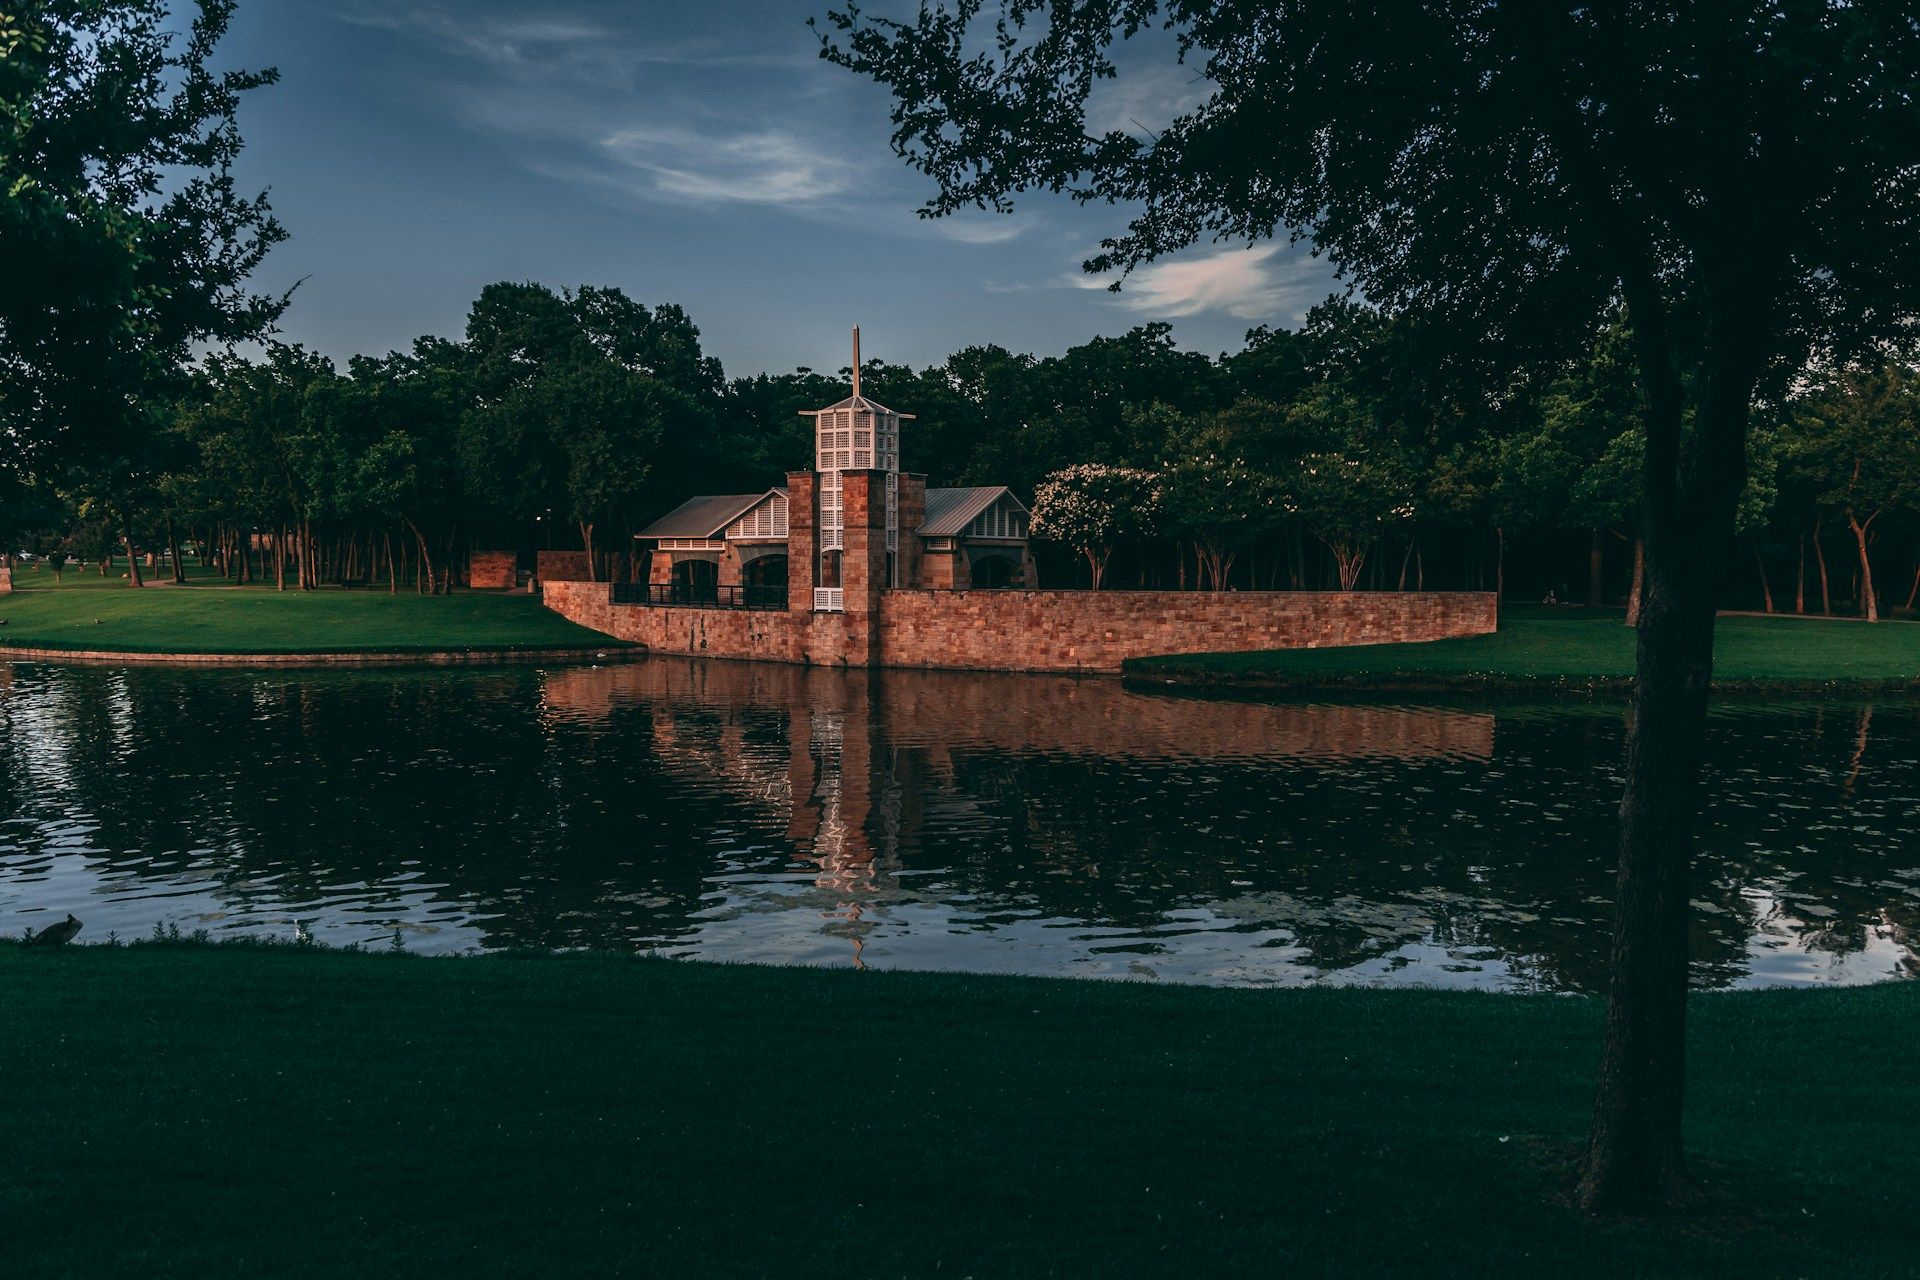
(492, 570)
(1097, 630)
(1077, 631)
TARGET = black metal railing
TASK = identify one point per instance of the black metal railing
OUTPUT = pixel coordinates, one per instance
(685, 595)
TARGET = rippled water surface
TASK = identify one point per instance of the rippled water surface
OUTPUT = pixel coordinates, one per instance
(992, 823)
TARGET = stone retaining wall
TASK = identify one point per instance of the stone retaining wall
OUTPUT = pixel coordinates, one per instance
(1077, 631)
(1098, 630)
(421, 658)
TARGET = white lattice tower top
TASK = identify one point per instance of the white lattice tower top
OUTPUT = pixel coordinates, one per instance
(856, 434)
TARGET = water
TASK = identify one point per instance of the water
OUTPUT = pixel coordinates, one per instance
(941, 821)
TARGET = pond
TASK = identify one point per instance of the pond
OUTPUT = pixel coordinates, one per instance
(1008, 824)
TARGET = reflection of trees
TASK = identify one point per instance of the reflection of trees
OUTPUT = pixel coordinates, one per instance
(647, 804)
(280, 788)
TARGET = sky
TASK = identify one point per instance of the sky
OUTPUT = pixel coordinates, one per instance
(697, 153)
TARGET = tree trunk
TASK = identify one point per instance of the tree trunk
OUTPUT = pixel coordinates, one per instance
(426, 560)
(1800, 579)
(173, 551)
(133, 562)
(393, 571)
(586, 542)
(1405, 560)
(1820, 560)
(1499, 565)
(1634, 1155)
(1635, 1158)
(1638, 589)
(1766, 587)
(1596, 568)
(1913, 591)
(1869, 603)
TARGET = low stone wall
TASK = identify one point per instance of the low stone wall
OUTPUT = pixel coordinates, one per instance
(396, 658)
(1077, 631)
(1098, 630)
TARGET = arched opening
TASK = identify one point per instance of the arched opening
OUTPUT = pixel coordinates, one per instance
(992, 573)
(696, 582)
(765, 579)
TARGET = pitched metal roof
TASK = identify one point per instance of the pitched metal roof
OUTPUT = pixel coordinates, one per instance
(950, 511)
(704, 517)
(853, 402)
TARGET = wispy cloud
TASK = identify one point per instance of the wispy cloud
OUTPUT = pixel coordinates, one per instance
(594, 95)
(752, 168)
(978, 228)
(1250, 284)
(541, 46)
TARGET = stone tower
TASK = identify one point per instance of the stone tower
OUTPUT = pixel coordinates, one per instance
(856, 501)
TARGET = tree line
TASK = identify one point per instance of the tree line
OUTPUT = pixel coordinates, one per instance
(1346, 453)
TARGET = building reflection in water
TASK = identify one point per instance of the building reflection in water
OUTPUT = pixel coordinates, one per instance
(866, 751)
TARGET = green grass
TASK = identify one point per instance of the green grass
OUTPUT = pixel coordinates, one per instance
(212, 1111)
(86, 611)
(1575, 647)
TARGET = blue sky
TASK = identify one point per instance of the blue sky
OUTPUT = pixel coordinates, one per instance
(697, 153)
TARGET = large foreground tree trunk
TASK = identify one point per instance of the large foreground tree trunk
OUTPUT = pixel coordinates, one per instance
(1691, 485)
(1634, 1155)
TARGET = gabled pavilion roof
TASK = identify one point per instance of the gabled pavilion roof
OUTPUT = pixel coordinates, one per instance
(950, 511)
(706, 516)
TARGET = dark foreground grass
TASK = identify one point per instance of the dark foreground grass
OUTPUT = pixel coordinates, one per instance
(88, 612)
(199, 1111)
(1575, 648)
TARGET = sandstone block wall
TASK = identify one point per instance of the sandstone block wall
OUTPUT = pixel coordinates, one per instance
(492, 570)
(1097, 630)
(1078, 631)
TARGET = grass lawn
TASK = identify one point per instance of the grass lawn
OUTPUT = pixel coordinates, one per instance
(1578, 647)
(221, 1110)
(87, 611)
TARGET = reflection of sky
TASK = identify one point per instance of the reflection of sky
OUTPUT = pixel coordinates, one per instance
(989, 824)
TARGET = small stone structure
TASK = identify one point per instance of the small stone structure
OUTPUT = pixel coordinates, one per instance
(492, 570)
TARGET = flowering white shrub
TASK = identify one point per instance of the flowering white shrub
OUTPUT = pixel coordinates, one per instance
(1091, 507)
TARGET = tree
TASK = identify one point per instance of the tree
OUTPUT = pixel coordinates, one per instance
(1216, 490)
(1739, 175)
(126, 242)
(1859, 436)
(1344, 489)
(1091, 507)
